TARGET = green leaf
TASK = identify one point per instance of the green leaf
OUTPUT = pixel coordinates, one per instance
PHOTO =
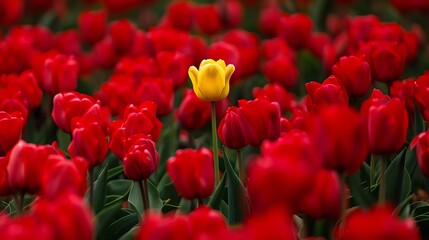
(135, 197)
(359, 189)
(119, 187)
(100, 190)
(130, 235)
(63, 140)
(398, 181)
(216, 198)
(169, 194)
(115, 172)
(104, 218)
(238, 202)
(122, 226)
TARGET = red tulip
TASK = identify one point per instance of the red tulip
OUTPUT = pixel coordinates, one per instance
(67, 216)
(68, 43)
(261, 120)
(290, 163)
(354, 74)
(329, 93)
(11, 126)
(295, 29)
(173, 66)
(405, 91)
(92, 26)
(156, 226)
(388, 61)
(159, 91)
(276, 47)
(344, 143)
(208, 11)
(230, 131)
(193, 113)
(105, 54)
(376, 223)
(89, 142)
(142, 66)
(23, 87)
(207, 223)
(137, 120)
(27, 163)
(421, 95)
(179, 15)
(63, 176)
(60, 74)
(359, 30)
(122, 33)
(116, 93)
(11, 11)
(68, 105)
(391, 32)
(281, 70)
(4, 182)
(268, 19)
(387, 123)
(323, 202)
(24, 227)
(191, 172)
(141, 160)
(276, 93)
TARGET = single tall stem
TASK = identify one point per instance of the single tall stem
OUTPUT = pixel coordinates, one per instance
(91, 187)
(372, 172)
(214, 140)
(19, 199)
(240, 166)
(382, 190)
(145, 196)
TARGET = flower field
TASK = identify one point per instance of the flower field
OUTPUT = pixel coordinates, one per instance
(226, 119)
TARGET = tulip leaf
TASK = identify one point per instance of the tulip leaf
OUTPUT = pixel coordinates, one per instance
(119, 187)
(398, 180)
(63, 140)
(100, 190)
(360, 191)
(238, 202)
(115, 172)
(122, 226)
(104, 218)
(216, 198)
(421, 216)
(169, 194)
(135, 197)
(130, 235)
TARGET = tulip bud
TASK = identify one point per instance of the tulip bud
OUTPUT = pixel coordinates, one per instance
(193, 113)
(388, 61)
(230, 131)
(11, 126)
(211, 81)
(192, 173)
(295, 29)
(141, 160)
(276, 93)
(122, 33)
(92, 25)
(281, 70)
(159, 91)
(156, 226)
(208, 18)
(387, 123)
(60, 74)
(326, 94)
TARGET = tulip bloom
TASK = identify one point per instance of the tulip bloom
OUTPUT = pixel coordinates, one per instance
(230, 131)
(11, 126)
(422, 143)
(191, 172)
(156, 226)
(328, 93)
(376, 223)
(387, 123)
(211, 80)
(141, 160)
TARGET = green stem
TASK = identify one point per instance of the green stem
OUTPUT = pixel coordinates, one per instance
(91, 187)
(145, 196)
(343, 192)
(372, 171)
(382, 190)
(240, 166)
(19, 199)
(214, 140)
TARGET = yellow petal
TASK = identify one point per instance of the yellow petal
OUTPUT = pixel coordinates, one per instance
(229, 70)
(193, 75)
(221, 63)
(206, 61)
(211, 81)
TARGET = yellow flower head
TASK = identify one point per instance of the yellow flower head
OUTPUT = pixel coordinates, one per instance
(211, 81)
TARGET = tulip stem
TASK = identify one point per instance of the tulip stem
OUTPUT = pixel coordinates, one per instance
(19, 199)
(382, 190)
(372, 171)
(214, 140)
(91, 187)
(343, 192)
(145, 196)
(240, 166)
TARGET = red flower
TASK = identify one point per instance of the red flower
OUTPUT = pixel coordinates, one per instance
(11, 11)
(67, 216)
(276, 93)
(159, 91)
(27, 163)
(323, 202)
(421, 95)
(139, 120)
(122, 33)
(388, 61)
(276, 47)
(207, 223)
(193, 113)
(68, 105)
(63, 176)
(326, 94)
(405, 90)
(295, 29)
(11, 126)
(261, 120)
(191, 172)
(141, 160)
(281, 70)
(92, 25)
(179, 15)
(117, 93)
(204, 12)
(268, 19)
(60, 74)
(23, 87)
(290, 163)
(4, 182)
(173, 66)
(156, 226)
(354, 74)
(230, 131)
(387, 123)
(376, 223)
(68, 42)
(344, 143)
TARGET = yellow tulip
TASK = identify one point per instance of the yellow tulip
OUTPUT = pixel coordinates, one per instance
(211, 81)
